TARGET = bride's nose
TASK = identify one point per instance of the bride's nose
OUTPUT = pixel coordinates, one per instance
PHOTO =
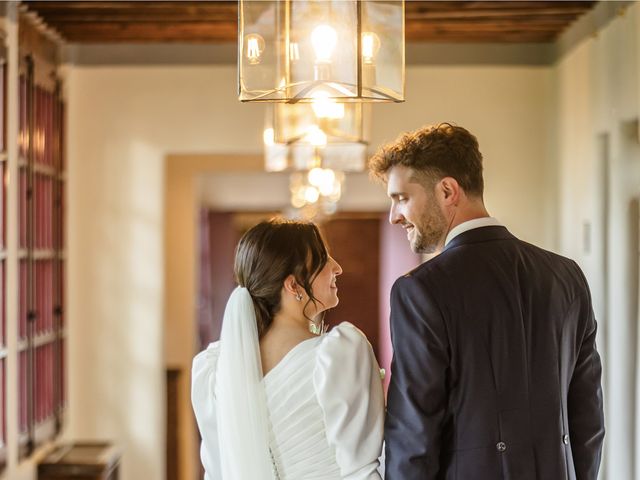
(337, 269)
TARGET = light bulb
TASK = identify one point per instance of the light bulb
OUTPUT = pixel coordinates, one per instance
(316, 137)
(255, 47)
(370, 46)
(315, 176)
(324, 40)
(323, 179)
(311, 194)
(297, 198)
(268, 137)
(294, 52)
(274, 160)
(335, 194)
(325, 107)
(328, 187)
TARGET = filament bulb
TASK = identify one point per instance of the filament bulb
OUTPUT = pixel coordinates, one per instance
(324, 40)
(255, 47)
(370, 46)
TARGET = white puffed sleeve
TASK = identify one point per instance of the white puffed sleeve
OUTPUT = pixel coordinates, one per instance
(349, 389)
(203, 380)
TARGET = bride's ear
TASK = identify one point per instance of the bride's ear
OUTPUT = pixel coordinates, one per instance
(291, 285)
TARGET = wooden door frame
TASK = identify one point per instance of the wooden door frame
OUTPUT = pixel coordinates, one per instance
(181, 172)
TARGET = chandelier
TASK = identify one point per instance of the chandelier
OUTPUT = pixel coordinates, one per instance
(324, 121)
(302, 136)
(280, 157)
(301, 51)
(317, 169)
(316, 192)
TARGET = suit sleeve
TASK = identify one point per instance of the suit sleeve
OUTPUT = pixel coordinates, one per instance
(417, 398)
(586, 417)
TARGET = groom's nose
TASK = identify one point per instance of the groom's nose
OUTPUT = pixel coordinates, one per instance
(394, 216)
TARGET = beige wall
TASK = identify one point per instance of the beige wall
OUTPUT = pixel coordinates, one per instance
(597, 118)
(509, 110)
(124, 121)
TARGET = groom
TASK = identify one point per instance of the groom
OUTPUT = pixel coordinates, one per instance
(495, 373)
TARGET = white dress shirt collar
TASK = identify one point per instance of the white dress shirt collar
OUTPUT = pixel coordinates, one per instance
(470, 225)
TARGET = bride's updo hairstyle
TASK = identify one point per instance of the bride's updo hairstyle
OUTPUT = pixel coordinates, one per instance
(271, 251)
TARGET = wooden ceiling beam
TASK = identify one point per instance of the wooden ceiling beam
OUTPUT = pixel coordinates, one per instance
(188, 21)
(130, 6)
(223, 33)
(138, 18)
(200, 32)
(411, 6)
(478, 15)
(142, 17)
(141, 12)
(484, 38)
(471, 28)
(519, 23)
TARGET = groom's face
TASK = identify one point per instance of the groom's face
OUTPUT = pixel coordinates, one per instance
(415, 208)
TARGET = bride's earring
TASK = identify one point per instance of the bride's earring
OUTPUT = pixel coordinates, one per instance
(317, 328)
(298, 296)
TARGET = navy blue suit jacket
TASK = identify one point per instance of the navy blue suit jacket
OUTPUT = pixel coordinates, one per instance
(495, 373)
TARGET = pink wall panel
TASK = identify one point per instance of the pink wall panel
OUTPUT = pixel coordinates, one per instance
(396, 259)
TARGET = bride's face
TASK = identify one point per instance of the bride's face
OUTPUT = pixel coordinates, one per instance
(324, 285)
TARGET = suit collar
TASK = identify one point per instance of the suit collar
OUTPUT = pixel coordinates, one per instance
(480, 234)
(469, 225)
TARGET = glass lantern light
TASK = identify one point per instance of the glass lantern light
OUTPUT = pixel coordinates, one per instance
(317, 191)
(303, 122)
(304, 136)
(298, 51)
(317, 172)
(313, 152)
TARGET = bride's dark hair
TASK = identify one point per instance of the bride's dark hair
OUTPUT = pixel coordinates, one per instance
(271, 251)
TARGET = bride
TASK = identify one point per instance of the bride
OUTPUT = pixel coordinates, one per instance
(277, 397)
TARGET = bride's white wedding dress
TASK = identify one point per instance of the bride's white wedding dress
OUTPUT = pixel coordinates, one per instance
(325, 409)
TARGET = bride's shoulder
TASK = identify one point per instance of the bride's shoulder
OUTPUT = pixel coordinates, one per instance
(346, 331)
(207, 358)
(345, 360)
(203, 377)
(344, 340)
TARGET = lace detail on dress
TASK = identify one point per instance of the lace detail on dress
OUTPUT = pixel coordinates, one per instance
(274, 466)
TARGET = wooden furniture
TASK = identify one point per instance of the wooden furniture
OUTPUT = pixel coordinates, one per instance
(81, 461)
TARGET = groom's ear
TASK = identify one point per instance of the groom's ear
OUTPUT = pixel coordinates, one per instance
(450, 191)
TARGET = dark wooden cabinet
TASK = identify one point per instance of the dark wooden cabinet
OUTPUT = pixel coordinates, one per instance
(81, 461)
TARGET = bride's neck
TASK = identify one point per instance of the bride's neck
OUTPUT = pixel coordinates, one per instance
(290, 321)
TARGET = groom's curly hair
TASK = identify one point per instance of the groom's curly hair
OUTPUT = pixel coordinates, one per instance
(271, 251)
(434, 152)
